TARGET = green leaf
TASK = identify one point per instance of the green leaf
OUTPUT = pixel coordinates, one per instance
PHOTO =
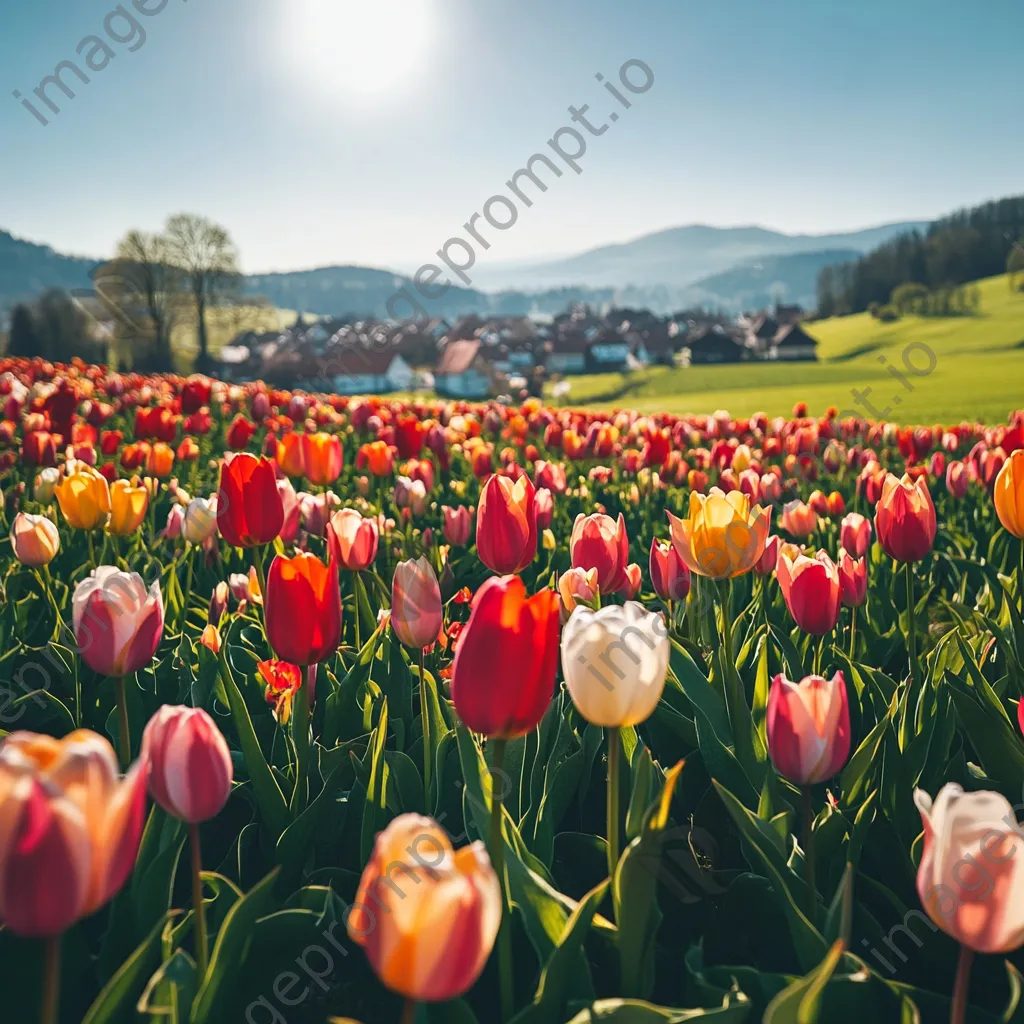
(116, 1002)
(374, 808)
(801, 1002)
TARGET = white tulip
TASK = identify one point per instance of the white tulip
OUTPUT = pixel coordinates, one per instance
(200, 521)
(46, 481)
(614, 662)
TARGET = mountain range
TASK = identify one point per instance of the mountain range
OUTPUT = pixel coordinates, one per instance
(697, 265)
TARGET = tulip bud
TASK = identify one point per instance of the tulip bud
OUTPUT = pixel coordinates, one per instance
(353, 539)
(200, 522)
(118, 623)
(45, 483)
(969, 874)
(956, 479)
(190, 767)
(669, 575)
(811, 589)
(600, 542)
(506, 525)
(218, 603)
(35, 539)
(1009, 494)
(458, 523)
(855, 534)
(577, 585)
(416, 611)
(128, 504)
(303, 609)
(545, 508)
(414, 888)
(853, 580)
(506, 696)
(770, 557)
(808, 727)
(799, 520)
(609, 690)
(905, 519)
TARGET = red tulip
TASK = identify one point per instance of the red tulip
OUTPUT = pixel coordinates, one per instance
(669, 574)
(905, 519)
(545, 507)
(956, 479)
(303, 609)
(600, 542)
(808, 728)
(811, 589)
(769, 559)
(506, 696)
(249, 507)
(853, 580)
(506, 525)
(550, 475)
(240, 432)
(190, 767)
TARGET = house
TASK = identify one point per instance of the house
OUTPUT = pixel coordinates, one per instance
(608, 351)
(567, 353)
(714, 345)
(760, 332)
(463, 371)
(793, 344)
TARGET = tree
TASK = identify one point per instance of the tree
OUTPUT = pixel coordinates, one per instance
(907, 297)
(24, 341)
(144, 293)
(1015, 263)
(206, 256)
(62, 329)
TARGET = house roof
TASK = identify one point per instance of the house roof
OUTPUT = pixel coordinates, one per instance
(357, 359)
(793, 335)
(457, 356)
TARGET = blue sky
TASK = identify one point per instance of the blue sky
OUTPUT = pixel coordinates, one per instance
(318, 134)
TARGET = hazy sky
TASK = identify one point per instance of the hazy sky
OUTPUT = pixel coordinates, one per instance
(368, 131)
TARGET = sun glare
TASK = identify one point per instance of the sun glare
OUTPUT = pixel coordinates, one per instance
(358, 49)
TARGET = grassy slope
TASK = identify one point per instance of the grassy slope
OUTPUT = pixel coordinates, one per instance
(978, 372)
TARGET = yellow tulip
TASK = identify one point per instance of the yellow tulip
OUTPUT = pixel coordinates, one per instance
(128, 504)
(723, 536)
(1009, 494)
(84, 497)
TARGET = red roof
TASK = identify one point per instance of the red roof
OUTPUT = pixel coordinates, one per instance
(457, 356)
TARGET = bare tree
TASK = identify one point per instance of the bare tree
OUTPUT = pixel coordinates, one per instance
(206, 255)
(144, 292)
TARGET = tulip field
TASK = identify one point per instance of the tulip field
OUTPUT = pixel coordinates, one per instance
(321, 709)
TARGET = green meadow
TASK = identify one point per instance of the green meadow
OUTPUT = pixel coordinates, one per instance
(978, 370)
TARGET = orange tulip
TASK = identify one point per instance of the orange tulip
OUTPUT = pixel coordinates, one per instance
(506, 525)
(1009, 494)
(322, 457)
(289, 454)
(378, 457)
(415, 888)
(160, 460)
(303, 606)
(69, 829)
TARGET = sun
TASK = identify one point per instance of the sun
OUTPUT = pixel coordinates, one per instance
(359, 49)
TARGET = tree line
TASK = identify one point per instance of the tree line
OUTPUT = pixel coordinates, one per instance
(156, 283)
(965, 246)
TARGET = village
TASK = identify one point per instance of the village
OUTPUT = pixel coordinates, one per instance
(477, 357)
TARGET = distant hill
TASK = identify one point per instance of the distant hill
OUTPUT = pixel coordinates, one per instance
(682, 256)
(26, 269)
(770, 279)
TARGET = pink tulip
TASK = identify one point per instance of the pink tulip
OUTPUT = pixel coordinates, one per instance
(798, 519)
(458, 525)
(190, 767)
(855, 534)
(118, 623)
(353, 539)
(416, 610)
(811, 589)
(545, 506)
(600, 542)
(808, 728)
(853, 580)
(956, 479)
(769, 559)
(669, 575)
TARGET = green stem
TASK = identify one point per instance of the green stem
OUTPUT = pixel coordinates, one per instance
(425, 725)
(808, 843)
(92, 548)
(911, 632)
(198, 910)
(409, 1011)
(300, 737)
(258, 562)
(498, 862)
(357, 586)
(817, 656)
(853, 631)
(1020, 578)
(191, 558)
(124, 742)
(50, 1002)
(735, 697)
(614, 746)
(961, 986)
